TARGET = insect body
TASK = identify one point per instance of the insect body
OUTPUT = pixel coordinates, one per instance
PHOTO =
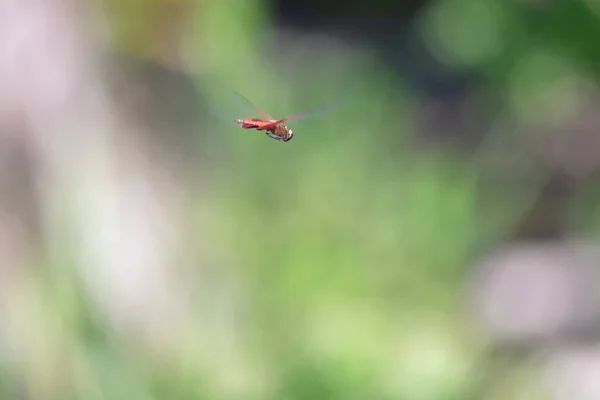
(274, 128)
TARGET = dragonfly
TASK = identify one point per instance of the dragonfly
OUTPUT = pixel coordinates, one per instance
(274, 128)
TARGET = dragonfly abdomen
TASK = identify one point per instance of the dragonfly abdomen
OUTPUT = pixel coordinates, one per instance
(257, 124)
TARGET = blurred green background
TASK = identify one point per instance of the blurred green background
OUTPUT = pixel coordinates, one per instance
(338, 265)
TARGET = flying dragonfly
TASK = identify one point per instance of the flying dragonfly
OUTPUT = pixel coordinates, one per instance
(274, 128)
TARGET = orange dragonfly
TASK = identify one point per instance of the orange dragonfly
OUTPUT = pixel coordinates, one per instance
(274, 128)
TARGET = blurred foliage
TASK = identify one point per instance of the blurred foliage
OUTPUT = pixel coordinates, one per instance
(350, 244)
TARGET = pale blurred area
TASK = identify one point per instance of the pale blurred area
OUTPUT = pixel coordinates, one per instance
(434, 238)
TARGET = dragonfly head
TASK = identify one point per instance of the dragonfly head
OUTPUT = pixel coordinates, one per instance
(289, 134)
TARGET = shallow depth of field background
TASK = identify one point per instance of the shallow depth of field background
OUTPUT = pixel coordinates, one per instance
(433, 237)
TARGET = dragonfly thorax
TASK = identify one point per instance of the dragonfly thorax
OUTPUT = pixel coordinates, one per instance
(281, 132)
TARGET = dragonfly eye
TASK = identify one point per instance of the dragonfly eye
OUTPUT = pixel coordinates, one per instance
(290, 134)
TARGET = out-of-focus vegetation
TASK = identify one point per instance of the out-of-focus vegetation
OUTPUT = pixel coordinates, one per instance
(338, 265)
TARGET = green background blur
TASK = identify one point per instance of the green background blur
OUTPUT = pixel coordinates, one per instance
(344, 256)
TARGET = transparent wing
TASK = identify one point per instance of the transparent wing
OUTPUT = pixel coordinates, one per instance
(228, 106)
(223, 111)
(249, 103)
(314, 112)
